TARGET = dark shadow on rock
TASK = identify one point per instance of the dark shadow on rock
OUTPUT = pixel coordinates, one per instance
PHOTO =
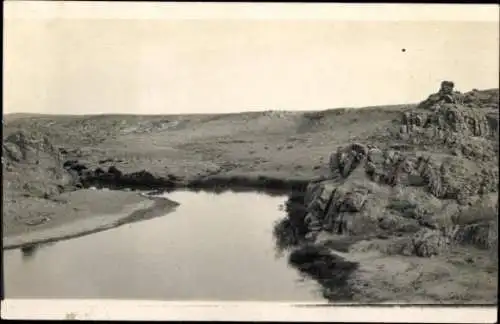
(291, 230)
(315, 260)
(331, 271)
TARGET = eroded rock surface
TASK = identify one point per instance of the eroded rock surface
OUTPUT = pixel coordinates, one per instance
(414, 194)
(32, 165)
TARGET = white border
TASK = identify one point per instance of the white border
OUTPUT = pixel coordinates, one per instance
(237, 311)
(242, 10)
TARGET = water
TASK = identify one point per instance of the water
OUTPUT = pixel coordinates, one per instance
(213, 247)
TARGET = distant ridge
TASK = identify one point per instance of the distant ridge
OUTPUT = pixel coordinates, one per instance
(13, 116)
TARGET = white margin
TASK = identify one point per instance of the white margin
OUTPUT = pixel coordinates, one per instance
(96, 309)
(248, 10)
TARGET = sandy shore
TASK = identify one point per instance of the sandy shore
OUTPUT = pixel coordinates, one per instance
(88, 211)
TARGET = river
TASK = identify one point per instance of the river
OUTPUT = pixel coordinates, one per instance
(212, 247)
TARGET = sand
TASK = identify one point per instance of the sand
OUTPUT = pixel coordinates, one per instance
(77, 217)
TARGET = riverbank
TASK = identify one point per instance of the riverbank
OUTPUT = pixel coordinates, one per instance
(84, 212)
(49, 156)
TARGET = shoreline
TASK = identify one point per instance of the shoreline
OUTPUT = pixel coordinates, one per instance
(148, 208)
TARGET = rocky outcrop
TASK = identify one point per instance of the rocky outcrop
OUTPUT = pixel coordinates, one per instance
(358, 198)
(446, 94)
(458, 123)
(29, 148)
(32, 165)
(459, 129)
(334, 208)
(448, 178)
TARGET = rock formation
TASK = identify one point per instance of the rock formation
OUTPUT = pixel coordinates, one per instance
(32, 165)
(451, 163)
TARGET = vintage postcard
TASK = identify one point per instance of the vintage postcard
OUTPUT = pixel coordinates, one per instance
(250, 161)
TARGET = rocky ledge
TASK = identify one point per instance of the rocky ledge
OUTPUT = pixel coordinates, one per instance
(441, 190)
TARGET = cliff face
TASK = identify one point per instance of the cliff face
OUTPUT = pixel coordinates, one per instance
(448, 168)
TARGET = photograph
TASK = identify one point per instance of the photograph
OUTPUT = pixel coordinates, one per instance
(283, 154)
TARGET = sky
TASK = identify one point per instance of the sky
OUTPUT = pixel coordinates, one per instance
(93, 63)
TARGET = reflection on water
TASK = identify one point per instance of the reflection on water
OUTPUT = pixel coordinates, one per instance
(289, 231)
(28, 251)
(331, 271)
(212, 247)
(314, 261)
